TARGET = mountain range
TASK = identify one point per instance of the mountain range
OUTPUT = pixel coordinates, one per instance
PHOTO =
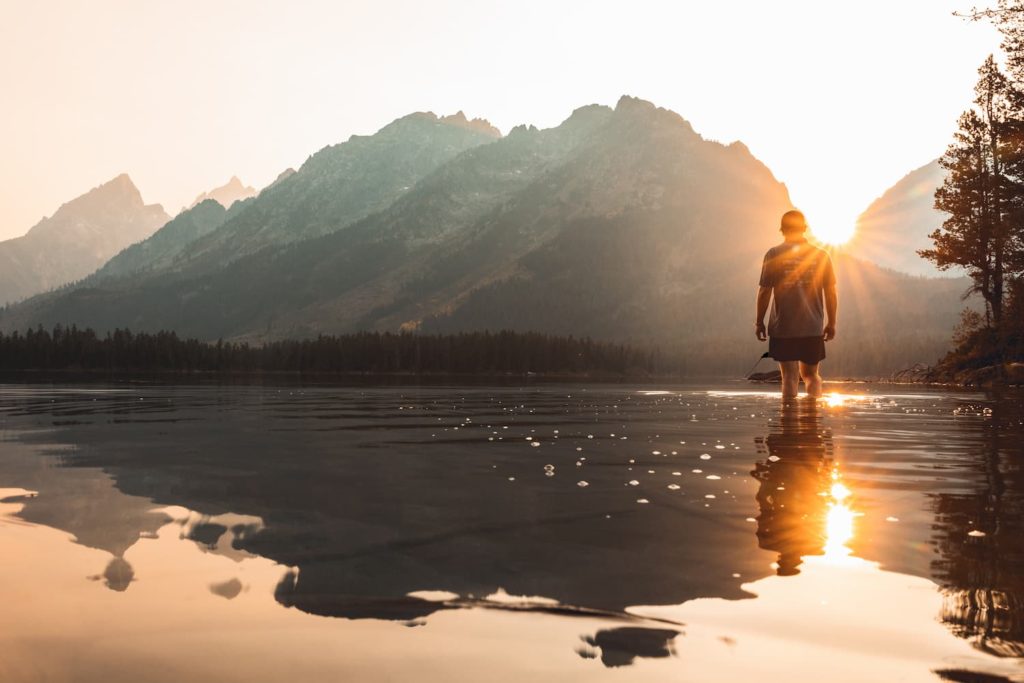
(620, 223)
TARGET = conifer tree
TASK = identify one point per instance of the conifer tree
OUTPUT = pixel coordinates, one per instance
(982, 192)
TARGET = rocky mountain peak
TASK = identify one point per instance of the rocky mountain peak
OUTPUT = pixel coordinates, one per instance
(227, 194)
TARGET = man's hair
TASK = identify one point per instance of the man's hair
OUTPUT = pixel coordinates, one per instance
(793, 221)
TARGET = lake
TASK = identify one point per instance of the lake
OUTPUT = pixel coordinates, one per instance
(547, 532)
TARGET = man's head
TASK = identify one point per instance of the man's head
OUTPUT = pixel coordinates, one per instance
(793, 223)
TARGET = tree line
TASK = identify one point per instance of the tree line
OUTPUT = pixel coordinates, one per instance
(72, 348)
(983, 195)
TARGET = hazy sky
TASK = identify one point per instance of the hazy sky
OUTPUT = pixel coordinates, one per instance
(840, 100)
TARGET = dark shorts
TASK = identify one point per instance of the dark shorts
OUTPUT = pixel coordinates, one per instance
(810, 350)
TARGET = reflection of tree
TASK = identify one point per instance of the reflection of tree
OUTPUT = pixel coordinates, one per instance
(793, 478)
(980, 536)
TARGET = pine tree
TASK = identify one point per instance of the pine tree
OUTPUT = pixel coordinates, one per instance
(980, 194)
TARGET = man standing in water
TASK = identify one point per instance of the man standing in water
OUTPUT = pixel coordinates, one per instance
(801, 278)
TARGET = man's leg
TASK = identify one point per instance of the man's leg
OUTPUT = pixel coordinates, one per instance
(812, 380)
(790, 378)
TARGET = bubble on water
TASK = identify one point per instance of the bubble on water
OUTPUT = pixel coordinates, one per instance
(642, 501)
(713, 476)
(579, 463)
(632, 461)
(774, 458)
(529, 438)
(976, 533)
(582, 484)
(697, 471)
(634, 482)
(511, 478)
(579, 448)
(750, 519)
(549, 473)
(535, 443)
(709, 495)
(549, 467)
(650, 471)
(677, 474)
(590, 436)
(673, 487)
(735, 575)
(890, 518)
(490, 438)
(655, 452)
(720, 447)
(705, 456)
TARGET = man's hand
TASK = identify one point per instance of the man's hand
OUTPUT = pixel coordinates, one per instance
(760, 331)
(830, 332)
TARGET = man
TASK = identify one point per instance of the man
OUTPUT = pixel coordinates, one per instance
(798, 279)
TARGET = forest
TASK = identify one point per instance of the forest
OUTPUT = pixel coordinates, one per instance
(480, 353)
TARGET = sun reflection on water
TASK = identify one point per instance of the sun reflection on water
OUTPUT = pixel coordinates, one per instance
(839, 528)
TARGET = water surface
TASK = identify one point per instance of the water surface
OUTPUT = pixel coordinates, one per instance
(266, 533)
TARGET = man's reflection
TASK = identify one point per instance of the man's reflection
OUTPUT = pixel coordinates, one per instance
(795, 477)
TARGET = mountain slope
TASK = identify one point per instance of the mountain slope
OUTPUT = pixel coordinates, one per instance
(82, 235)
(897, 224)
(339, 185)
(159, 250)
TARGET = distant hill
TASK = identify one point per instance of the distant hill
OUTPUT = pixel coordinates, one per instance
(226, 195)
(897, 224)
(622, 224)
(160, 249)
(81, 236)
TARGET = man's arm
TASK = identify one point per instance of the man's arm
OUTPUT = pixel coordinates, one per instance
(764, 297)
(831, 306)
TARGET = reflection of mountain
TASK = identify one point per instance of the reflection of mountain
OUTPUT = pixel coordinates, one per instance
(77, 239)
(620, 646)
(83, 502)
(979, 535)
(367, 515)
(794, 477)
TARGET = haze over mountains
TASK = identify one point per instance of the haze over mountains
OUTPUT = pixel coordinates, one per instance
(621, 224)
(227, 194)
(81, 236)
(897, 224)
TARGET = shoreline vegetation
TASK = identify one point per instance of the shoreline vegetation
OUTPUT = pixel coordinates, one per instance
(374, 356)
(982, 196)
(381, 354)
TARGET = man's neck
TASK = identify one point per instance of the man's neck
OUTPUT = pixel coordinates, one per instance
(795, 239)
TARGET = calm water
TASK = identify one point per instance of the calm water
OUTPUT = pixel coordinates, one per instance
(690, 533)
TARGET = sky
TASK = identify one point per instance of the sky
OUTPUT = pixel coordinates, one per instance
(840, 100)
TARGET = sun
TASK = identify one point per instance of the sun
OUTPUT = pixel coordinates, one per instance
(832, 233)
